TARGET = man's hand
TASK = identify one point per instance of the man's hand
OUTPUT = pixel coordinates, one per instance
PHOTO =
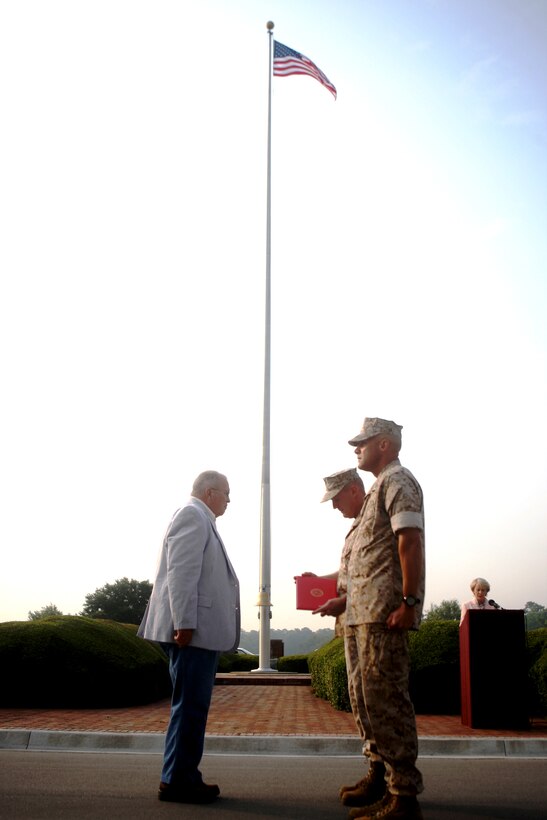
(401, 618)
(182, 637)
(334, 607)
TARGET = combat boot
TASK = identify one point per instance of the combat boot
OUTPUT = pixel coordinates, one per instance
(371, 809)
(395, 807)
(368, 790)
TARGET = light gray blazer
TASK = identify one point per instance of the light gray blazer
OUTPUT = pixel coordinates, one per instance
(196, 586)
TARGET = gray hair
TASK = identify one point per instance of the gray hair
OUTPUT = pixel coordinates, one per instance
(207, 480)
(479, 582)
(358, 483)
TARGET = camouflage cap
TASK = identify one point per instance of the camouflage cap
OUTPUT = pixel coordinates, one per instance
(337, 481)
(376, 427)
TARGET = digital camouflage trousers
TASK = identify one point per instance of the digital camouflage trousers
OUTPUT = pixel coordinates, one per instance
(378, 664)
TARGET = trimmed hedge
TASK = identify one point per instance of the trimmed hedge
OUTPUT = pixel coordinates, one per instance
(328, 674)
(434, 682)
(434, 678)
(233, 662)
(293, 663)
(76, 662)
(245, 663)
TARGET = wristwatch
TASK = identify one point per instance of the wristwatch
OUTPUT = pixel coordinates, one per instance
(410, 600)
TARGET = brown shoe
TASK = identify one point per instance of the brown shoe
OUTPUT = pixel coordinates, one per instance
(368, 790)
(396, 807)
(371, 809)
(198, 793)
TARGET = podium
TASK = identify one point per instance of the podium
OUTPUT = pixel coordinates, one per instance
(493, 669)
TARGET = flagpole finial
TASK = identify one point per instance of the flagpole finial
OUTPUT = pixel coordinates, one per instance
(269, 25)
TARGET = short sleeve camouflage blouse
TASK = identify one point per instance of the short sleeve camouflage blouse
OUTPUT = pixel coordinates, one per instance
(375, 581)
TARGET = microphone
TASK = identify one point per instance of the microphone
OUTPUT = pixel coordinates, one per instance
(494, 604)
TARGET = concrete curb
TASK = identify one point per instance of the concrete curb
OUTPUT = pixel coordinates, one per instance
(332, 745)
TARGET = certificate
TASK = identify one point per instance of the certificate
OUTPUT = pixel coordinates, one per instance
(312, 592)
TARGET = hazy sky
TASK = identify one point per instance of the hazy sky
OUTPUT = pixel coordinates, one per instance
(409, 252)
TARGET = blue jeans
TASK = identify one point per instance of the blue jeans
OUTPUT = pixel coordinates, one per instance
(192, 673)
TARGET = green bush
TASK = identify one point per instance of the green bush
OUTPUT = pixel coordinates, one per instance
(434, 670)
(293, 663)
(77, 662)
(434, 678)
(434, 681)
(233, 662)
(328, 674)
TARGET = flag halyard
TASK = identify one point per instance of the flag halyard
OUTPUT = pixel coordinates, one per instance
(287, 61)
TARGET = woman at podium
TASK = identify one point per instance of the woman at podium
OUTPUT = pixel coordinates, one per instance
(480, 589)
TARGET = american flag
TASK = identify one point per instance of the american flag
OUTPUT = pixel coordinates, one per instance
(287, 61)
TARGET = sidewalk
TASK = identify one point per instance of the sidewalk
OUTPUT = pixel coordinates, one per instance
(254, 713)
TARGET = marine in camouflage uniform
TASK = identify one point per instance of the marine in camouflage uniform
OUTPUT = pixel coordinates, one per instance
(385, 591)
(349, 504)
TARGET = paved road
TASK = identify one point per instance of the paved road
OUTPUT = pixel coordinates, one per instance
(87, 786)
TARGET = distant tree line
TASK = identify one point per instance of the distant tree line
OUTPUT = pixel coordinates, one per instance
(125, 601)
(535, 614)
(295, 641)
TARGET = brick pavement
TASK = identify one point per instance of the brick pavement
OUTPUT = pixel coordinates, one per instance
(243, 710)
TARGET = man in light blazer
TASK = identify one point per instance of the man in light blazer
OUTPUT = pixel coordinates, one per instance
(194, 613)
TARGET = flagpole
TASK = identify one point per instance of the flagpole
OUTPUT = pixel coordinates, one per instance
(264, 602)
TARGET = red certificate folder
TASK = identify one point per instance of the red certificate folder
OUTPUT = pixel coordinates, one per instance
(312, 592)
